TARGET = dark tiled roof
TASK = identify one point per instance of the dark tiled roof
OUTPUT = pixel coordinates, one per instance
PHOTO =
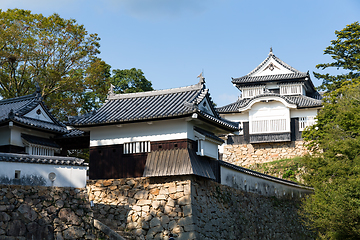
(14, 109)
(56, 160)
(152, 105)
(208, 134)
(175, 162)
(74, 133)
(39, 140)
(249, 78)
(261, 175)
(291, 76)
(40, 124)
(300, 101)
(268, 78)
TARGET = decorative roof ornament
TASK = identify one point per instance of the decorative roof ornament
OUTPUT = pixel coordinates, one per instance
(202, 79)
(111, 91)
(271, 51)
(11, 114)
(38, 91)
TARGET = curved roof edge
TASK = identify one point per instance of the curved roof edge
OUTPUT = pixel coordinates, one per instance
(299, 101)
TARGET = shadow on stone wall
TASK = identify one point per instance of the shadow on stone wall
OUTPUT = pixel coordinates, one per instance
(28, 212)
(222, 212)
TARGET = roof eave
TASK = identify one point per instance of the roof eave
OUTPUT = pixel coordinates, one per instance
(7, 120)
(126, 121)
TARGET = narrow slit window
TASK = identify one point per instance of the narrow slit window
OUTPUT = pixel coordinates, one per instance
(17, 174)
(136, 147)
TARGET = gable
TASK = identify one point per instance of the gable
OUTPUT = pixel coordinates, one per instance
(204, 105)
(39, 113)
(271, 67)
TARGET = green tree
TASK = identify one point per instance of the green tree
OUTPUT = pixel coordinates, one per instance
(345, 52)
(56, 53)
(130, 81)
(334, 168)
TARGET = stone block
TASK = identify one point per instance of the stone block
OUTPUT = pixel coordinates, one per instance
(185, 221)
(4, 217)
(74, 232)
(27, 212)
(168, 209)
(143, 202)
(136, 208)
(155, 191)
(172, 189)
(154, 230)
(189, 228)
(160, 197)
(16, 228)
(164, 220)
(155, 204)
(164, 191)
(143, 194)
(187, 210)
(155, 222)
(180, 188)
(145, 209)
(185, 200)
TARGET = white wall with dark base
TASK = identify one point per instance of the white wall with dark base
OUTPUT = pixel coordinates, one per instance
(261, 184)
(38, 174)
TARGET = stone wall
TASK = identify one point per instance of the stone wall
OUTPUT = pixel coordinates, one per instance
(193, 208)
(30, 212)
(223, 213)
(249, 154)
(149, 208)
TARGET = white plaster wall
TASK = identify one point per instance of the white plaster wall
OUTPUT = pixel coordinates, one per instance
(42, 116)
(272, 86)
(269, 110)
(209, 149)
(294, 113)
(266, 187)
(237, 117)
(4, 135)
(15, 138)
(133, 132)
(66, 176)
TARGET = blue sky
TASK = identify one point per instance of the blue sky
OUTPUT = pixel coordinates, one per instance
(173, 41)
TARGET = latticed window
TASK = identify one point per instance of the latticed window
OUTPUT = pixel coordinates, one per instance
(252, 92)
(40, 150)
(291, 89)
(268, 125)
(137, 147)
(305, 122)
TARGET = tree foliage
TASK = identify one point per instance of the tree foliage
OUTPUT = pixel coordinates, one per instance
(345, 51)
(60, 56)
(130, 81)
(56, 53)
(334, 168)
